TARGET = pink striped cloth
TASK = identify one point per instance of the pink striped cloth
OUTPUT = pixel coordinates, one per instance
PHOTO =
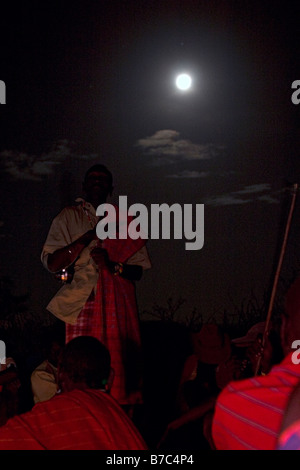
(249, 412)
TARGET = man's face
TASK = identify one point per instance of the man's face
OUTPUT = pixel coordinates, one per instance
(97, 185)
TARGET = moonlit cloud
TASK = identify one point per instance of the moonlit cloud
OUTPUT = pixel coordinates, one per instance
(166, 147)
(161, 161)
(253, 193)
(254, 188)
(268, 198)
(225, 200)
(189, 174)
(20, 165)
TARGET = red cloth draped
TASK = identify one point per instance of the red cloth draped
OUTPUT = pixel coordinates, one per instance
(111, 316)
(77, 420)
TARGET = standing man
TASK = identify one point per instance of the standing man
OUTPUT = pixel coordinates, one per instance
(100, 300)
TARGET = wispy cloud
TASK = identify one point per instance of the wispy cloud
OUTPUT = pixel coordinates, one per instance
(189, 174)
(225, 200)
(268, 198)
(166, 147)
(254, 188)
(257, 192)
(20, 165)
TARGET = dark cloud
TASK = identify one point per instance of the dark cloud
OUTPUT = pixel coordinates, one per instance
(20, 165)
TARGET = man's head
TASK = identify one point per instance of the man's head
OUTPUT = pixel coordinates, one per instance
(84, 363)
(290, 328)
(97, 183)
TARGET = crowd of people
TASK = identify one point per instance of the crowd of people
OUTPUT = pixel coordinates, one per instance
(233, 393)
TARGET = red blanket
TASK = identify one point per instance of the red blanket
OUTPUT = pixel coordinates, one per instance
(77, 420)
(112, 317)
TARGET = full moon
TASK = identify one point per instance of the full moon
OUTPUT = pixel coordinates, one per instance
(183, 81)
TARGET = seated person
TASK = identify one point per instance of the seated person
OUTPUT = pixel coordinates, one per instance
(83, 416)
(248, 412)
(44, 378)
(211, 346)
(228, 364)
(249, 356)
(198, 390)
(9, 390)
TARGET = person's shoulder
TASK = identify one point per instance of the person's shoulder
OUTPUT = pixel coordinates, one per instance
(81, 394)
(95, 397)
(87, 398)
(68, 211)
(253, 384)
(39, 371)
(41, 366)
(76, 207)
(237, 386)
(92, 393)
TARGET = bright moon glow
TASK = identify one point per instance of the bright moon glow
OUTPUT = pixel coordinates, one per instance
(183, 81)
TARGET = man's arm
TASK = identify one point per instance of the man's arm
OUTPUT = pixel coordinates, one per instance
(63, 257)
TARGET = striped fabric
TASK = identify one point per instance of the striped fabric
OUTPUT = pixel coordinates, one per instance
(248, 412)
(111, 316)
(77, 420)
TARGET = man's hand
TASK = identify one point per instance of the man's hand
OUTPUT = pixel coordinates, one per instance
(101, 258)
(130, 272)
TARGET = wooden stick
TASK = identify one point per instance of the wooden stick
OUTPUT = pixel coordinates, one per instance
(276, 278)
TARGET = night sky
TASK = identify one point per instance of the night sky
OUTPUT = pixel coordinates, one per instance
(94, 81)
